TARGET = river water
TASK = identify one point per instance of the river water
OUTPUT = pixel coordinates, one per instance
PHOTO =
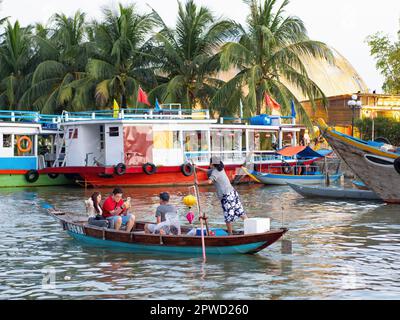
(341, 250)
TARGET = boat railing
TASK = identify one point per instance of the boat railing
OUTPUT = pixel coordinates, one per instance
(236, 157)
(265, 156)
(136, 114)
(275, 120)
(48, 122)
(293, 170)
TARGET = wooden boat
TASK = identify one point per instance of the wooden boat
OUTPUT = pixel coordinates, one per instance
(359, 185)
(138, 241)
(376, 167)
(333, 193)
(284, 179)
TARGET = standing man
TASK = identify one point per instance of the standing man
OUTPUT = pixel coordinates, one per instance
(115, 210)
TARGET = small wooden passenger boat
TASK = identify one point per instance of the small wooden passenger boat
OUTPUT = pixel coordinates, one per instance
(334, 193)
(138, 241)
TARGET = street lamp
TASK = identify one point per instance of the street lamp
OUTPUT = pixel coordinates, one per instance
(354, 104)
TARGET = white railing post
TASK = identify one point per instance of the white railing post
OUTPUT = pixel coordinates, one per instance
(13, 116)
(93, 115)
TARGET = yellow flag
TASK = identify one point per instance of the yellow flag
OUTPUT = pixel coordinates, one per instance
(116, 109)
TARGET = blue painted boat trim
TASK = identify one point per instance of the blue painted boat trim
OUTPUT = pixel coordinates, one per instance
(18, 163)
(242, 249)
(333, 177)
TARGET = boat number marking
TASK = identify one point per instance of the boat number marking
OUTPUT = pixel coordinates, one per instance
(76, 229)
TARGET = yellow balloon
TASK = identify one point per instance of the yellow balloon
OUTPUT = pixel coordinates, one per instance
(190, 201)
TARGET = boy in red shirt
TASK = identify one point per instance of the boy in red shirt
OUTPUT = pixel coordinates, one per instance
(116, 211)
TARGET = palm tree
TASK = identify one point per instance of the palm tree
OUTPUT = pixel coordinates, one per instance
(61, 58)
(188, 58)
(121, 58)
(268, 55)
(15, 63)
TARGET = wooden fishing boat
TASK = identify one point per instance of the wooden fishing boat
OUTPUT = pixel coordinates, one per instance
(284, 179)
(334, 193)
(377, 167)
(138, 241)
(359, 185)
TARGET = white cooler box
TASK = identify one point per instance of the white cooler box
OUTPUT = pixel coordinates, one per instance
(257, 225)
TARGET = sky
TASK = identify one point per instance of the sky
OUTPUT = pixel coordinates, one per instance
(343, 24)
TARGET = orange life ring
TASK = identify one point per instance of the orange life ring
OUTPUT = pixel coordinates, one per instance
(28, 147)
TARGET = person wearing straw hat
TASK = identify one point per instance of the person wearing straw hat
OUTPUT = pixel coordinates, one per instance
(229, 197)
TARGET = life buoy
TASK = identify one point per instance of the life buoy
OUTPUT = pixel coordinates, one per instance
(32, 176)
(53, 175)
(28, 147)
(149, 168)
(397, 165)
(187, 169)
(286, 168)
(120, 169)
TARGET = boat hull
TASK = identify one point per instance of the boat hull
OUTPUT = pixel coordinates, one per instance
(141, 242)
(374, 167)
(282, 180)
(137, 248)
(16, 180)
(334, 193)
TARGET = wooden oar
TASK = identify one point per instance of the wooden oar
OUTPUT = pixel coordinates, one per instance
(202, 217)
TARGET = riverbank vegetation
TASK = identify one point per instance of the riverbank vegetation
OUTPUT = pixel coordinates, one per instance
(387, 128)
(387, 56)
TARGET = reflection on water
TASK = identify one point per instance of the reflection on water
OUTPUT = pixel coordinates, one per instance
(341, 250)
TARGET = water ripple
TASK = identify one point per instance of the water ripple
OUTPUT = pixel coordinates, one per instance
(342, 250)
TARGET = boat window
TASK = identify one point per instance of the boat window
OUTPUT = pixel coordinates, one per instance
(167, 140)
(73, 133)
(7, 140)
(196, 146)
(102, 137)
(114, 131)
(227, 144)
(263, 144)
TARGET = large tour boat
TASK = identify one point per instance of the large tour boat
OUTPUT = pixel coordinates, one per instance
(26, 148)
(139, 147)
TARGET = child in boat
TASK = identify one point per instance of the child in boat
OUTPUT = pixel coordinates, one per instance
(230, 201)
(115, 210)
(166, 218)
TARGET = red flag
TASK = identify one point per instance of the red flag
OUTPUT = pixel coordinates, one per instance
(272, 103)
(142, 97)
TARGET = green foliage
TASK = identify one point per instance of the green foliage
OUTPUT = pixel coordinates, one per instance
(74, 64)
(188, 56)
(268, 55)
(384, 127)
(387, 56)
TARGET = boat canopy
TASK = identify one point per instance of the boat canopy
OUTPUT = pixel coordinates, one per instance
(300, 151)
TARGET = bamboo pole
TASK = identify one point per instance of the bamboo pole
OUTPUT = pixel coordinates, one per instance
(202, 216)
